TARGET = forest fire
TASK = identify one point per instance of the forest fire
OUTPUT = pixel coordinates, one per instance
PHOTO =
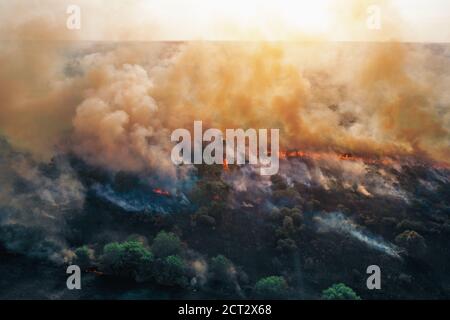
(95, 271)
(314, 155)
(225, 165)
(332, 156)
(182, 151)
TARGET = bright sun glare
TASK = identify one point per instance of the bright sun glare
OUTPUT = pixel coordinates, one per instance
(268, 19)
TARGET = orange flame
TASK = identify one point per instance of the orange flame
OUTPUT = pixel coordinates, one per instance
(225, 165)
(331, 156)
(94, 271)
(161, 192)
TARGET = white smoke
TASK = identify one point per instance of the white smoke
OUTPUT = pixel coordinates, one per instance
(337, 222)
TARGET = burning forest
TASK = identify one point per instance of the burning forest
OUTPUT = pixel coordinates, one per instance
(86, 176)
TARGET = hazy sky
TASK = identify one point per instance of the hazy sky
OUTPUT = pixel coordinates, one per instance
(409, 20)
(406, 20)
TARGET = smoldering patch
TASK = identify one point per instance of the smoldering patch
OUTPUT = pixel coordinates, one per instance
(337, 222)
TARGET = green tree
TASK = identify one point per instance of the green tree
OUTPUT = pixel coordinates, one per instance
(209, 191)
(203, 217)
(171, 271)
(83, 257)
(166, 244)
(221, 268)
(339, 291)
(273, 287)
(127, 259)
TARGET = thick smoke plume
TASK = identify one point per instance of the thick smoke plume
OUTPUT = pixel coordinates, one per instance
(34, 204)
(114, 105)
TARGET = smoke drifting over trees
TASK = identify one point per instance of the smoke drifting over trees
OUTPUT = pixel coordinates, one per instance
(86, 175)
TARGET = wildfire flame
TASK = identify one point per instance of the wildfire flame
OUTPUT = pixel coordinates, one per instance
(161, 192)
(225, 165)
(331, 156)
(94, 271)
(350, 157)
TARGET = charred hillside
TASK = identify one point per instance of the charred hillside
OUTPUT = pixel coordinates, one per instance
(320, 221)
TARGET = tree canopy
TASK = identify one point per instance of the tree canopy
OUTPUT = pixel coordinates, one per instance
(339, 291)
(166, 244)
(129, 259)
(273, 287)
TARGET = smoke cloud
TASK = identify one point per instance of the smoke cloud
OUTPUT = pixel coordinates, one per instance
(114, 105)
(339, 223)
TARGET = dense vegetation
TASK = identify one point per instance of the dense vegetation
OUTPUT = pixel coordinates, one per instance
(246, 244)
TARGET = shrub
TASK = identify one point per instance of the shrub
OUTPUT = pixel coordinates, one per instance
(128, 259)
(166, 244)
(413, 242)
(272, 287)
(83, 257)
(339, 291)
(221, 267)
(171, 271)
